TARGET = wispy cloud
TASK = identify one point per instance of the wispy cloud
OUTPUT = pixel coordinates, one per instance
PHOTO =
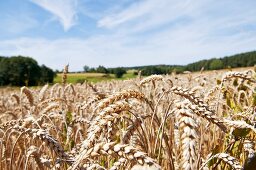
(64, 10)
(174, 15)
(150, 32)
(147, 13)
(112, 51)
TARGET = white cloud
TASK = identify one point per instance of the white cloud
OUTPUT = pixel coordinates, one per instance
(151, 32)
(134, 11)
(148, 13)
(112, 51)
(64, 10)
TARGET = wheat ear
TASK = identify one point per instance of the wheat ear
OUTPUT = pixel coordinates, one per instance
(28, 94)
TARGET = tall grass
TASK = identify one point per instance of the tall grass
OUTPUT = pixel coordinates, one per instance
(191, 121)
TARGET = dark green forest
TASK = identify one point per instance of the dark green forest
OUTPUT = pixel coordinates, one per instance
(239, 60)
(21, 71)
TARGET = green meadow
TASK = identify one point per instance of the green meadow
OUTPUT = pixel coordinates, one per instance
(92, 77)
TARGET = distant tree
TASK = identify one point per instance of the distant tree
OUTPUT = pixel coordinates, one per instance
(198, 65)
(21, 71)
(92, 70)
(119, 72)
(216, 64)
(86, 68)
(149, 70)
(178, 70)
(47, 74)
(24, 71)
(101, 69)
(57, 71)
(136, 72)
(4, 68)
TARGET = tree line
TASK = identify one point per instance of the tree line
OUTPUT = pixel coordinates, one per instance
(118, 71)
(239, 60)
(21, 71)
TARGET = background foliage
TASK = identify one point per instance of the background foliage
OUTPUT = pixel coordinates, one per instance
(20, 71)
(234, 61)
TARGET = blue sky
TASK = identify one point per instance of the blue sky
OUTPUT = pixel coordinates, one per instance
(125, 32)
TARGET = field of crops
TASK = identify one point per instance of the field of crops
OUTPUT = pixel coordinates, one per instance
(191, 121)
(92, 77)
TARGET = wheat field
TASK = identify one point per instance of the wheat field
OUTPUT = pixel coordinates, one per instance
(191, 121)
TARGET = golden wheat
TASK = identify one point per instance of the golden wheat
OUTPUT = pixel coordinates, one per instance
(187, 121)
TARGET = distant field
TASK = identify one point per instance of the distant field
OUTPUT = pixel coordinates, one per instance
(97, 77)
(92, 77)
